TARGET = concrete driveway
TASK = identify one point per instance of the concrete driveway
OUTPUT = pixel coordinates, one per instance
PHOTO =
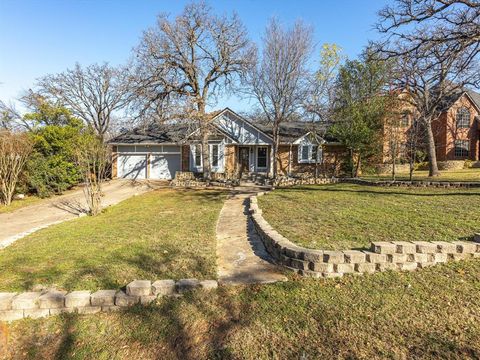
(24, 221)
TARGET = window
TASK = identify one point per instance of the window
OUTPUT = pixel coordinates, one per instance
(198, 155)
(405, 120)
(215, 155)
(461, 148)
(463, 118)
(309, 154)
(261, 157)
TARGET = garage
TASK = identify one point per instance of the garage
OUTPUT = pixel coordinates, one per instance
(159, 162)
(132, 166)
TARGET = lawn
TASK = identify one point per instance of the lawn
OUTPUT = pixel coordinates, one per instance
(161, 234)
(345, 216)
(465, 175)
(429, 314)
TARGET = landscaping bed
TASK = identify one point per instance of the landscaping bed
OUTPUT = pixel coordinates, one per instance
(429, 314)
(164, 234)
(347, 216)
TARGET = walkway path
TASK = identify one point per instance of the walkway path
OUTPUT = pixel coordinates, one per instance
(24, 221)
(241, 256)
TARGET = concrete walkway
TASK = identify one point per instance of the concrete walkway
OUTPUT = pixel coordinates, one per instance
(24, 221)
(241, 256)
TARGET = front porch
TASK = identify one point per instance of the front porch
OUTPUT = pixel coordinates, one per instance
(245, 161)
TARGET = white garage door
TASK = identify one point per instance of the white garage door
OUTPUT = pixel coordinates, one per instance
(132, 166)
(164, 166)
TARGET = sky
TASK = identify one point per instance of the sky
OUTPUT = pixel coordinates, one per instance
(39, 37)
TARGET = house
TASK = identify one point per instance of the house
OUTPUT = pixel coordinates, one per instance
(239, 148)
(456, 130)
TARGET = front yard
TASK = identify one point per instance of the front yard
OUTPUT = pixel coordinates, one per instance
(429, 314)
(344, 216)
(159, 235)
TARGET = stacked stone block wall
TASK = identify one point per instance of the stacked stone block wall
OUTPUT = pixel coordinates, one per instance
(15, 306)
(436, 184)
(394, 255)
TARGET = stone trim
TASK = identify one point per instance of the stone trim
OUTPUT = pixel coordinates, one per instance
(386, 255)
(414, 183)
(15, 306)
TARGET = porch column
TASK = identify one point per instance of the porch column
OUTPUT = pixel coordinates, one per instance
(270, 170)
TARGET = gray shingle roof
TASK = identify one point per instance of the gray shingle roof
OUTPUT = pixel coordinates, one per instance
(154, 133)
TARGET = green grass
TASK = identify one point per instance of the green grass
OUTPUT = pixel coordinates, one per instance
(345, 216)
(18, 204)
(428, 314)
(161, 234)
(465, 175)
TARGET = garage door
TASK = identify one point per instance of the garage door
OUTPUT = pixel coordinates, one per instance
(164, 166)
(132, 166)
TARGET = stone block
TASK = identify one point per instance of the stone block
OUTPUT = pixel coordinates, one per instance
(408, 266)
(11, 315)
(476, 255)
(405, 247)
(465, 247)
(26, 300)
(459, 256)
(103, 298)
(445, 247)
(312, 255)
(334, 257)
(383, 247)
(440, 258)
(139, 288)
(52, 300)
(294, 252)
(320, 267)
(62, 311)
(6, 300)
(423, 258)
(423, 265)
(147, 299)
(425, 247)
(123, 299)
(387, 266)
(77, 299)
(87, 310)
(299, 264)
(365, 267)
(344, 268)
(397, 258)
(373, 257)
(354, 256)
(209, 284)
(476, 237)
(186, 285)
(36, 313)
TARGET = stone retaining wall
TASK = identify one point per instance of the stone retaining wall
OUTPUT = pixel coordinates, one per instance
(15, 306)
(437, 184)
(395, 255)
(288, 181)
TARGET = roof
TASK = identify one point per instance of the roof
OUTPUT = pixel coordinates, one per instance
(292, 130)
(154, 133)
(448, 101)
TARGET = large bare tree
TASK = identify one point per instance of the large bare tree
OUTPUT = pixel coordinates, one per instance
(93, 93)
(185, 62)
(279, 81)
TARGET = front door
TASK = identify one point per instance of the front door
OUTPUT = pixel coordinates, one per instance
(244, 160)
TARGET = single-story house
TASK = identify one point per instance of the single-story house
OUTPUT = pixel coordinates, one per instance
(238, 148)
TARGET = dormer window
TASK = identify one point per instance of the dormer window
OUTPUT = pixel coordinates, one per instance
(463, 118)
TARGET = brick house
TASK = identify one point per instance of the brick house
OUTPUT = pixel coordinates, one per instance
(238, 148)
(456, 130)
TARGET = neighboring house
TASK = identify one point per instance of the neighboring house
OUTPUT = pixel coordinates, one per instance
(456, 130)
(238, 148)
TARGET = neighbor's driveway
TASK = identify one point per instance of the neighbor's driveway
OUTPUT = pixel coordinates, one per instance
(24, 221)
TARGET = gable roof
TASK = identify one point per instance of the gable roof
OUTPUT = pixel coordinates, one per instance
(450, 100)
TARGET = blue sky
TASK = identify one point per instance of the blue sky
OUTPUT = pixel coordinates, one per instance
(39, 37)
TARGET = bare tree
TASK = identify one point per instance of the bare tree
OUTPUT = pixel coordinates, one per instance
(92, 159)
(14, 151)
(93, 93)
(184, 63)
(279, 81)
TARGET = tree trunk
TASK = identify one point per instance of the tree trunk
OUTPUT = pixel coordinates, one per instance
(357, 167)
(275, 149)
(352, 159)
(204, 133)
(394, 162)
(432, 155)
